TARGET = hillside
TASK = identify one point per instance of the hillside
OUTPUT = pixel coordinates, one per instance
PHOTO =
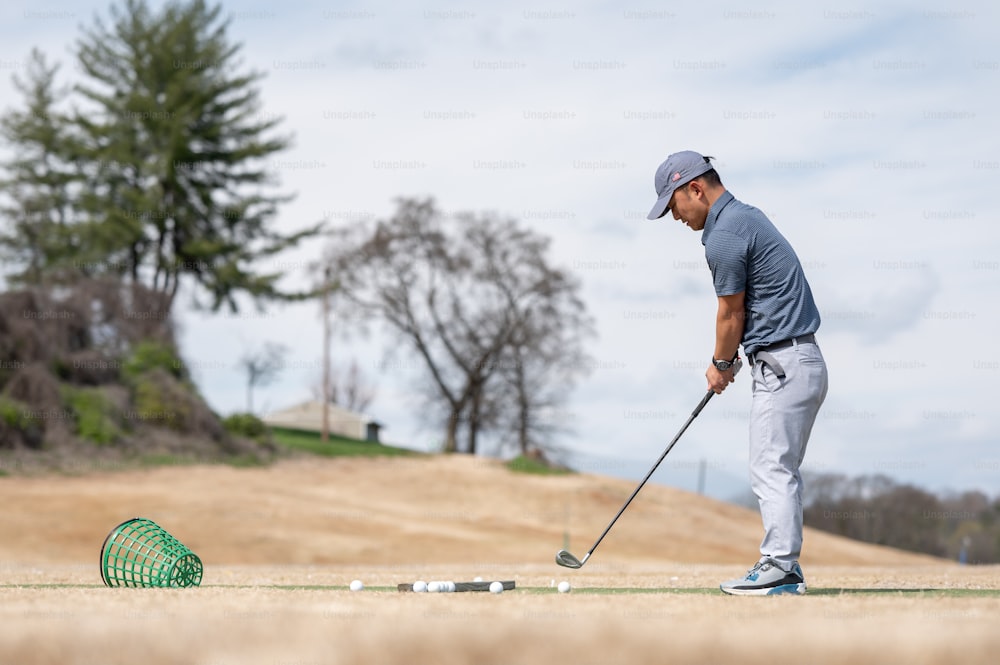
(90, 376)
(390, 511)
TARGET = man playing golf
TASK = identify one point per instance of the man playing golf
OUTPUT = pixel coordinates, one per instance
(766, 305)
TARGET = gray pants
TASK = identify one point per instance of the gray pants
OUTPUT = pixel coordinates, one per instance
(781, 418)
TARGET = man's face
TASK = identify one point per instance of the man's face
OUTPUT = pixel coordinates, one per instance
(688, 205)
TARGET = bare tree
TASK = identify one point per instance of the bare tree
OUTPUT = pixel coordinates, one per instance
(262, 366)
(543, 355)
(469, 295)
(348, 388)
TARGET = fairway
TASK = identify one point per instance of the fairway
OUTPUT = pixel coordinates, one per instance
(273, 615)
(281, 545)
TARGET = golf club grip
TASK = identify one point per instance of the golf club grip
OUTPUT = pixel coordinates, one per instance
(701, 405)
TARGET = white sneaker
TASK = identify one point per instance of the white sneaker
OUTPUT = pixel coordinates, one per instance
(767, 578)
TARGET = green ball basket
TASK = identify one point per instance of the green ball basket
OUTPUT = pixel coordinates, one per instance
(140, 553)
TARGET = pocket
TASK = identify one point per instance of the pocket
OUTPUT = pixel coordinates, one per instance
(809, 354)
(765, 379)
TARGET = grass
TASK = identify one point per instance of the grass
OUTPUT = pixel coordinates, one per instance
(577, 590)
(337, 446)
(523, 464)
(342, 446)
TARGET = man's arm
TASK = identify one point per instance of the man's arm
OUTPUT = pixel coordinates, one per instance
(729, 323)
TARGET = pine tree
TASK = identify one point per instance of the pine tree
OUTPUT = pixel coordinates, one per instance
(175, 152)
(39, 238)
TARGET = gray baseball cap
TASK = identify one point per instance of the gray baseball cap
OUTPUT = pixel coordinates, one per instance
(678, 170)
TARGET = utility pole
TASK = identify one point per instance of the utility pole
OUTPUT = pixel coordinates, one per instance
(326, 355)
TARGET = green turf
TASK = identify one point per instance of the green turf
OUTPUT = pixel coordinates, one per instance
(579, 591)
(687, 591)
(337, 446)
(523, 464)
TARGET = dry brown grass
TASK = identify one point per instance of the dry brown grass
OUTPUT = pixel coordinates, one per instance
(280, 546)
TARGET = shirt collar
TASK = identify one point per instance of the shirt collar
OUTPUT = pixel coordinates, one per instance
(714, 212)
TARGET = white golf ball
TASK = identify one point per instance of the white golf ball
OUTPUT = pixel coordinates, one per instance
(496, 587)
(477, 579)
(564, 587)
(434, 587)
(357, 585)
(420, 586)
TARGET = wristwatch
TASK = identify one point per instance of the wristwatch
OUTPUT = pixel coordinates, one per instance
(722, 365)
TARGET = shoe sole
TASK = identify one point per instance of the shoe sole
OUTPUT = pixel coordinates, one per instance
(782, 590)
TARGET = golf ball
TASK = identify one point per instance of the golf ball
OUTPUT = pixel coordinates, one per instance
(496, 587)
(564, 587)
(420, 586)
(434, 587)
(357, 585)
(477, 579)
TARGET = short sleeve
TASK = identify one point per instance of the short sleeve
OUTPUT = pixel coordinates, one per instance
(727, 258)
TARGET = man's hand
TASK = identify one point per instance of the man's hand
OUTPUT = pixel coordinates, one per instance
(718, 381)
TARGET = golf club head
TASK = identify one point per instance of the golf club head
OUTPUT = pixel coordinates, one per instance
(567, 560)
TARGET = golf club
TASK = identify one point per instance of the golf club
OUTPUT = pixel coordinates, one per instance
(566, 559)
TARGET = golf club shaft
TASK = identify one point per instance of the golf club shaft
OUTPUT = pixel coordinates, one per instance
(694, 414)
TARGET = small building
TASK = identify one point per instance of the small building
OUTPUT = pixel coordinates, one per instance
(308, 417)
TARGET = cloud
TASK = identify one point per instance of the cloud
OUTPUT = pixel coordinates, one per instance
(893, 300)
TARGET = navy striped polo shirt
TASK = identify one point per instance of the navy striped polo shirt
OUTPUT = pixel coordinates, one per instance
(747, 253)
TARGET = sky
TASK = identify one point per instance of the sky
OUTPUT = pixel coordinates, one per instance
(868, 133)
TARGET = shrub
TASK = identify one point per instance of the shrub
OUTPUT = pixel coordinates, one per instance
(159, 399)
(147, 356)
(95, 415)
(247, 425)
(19, 426)
(14, 414)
